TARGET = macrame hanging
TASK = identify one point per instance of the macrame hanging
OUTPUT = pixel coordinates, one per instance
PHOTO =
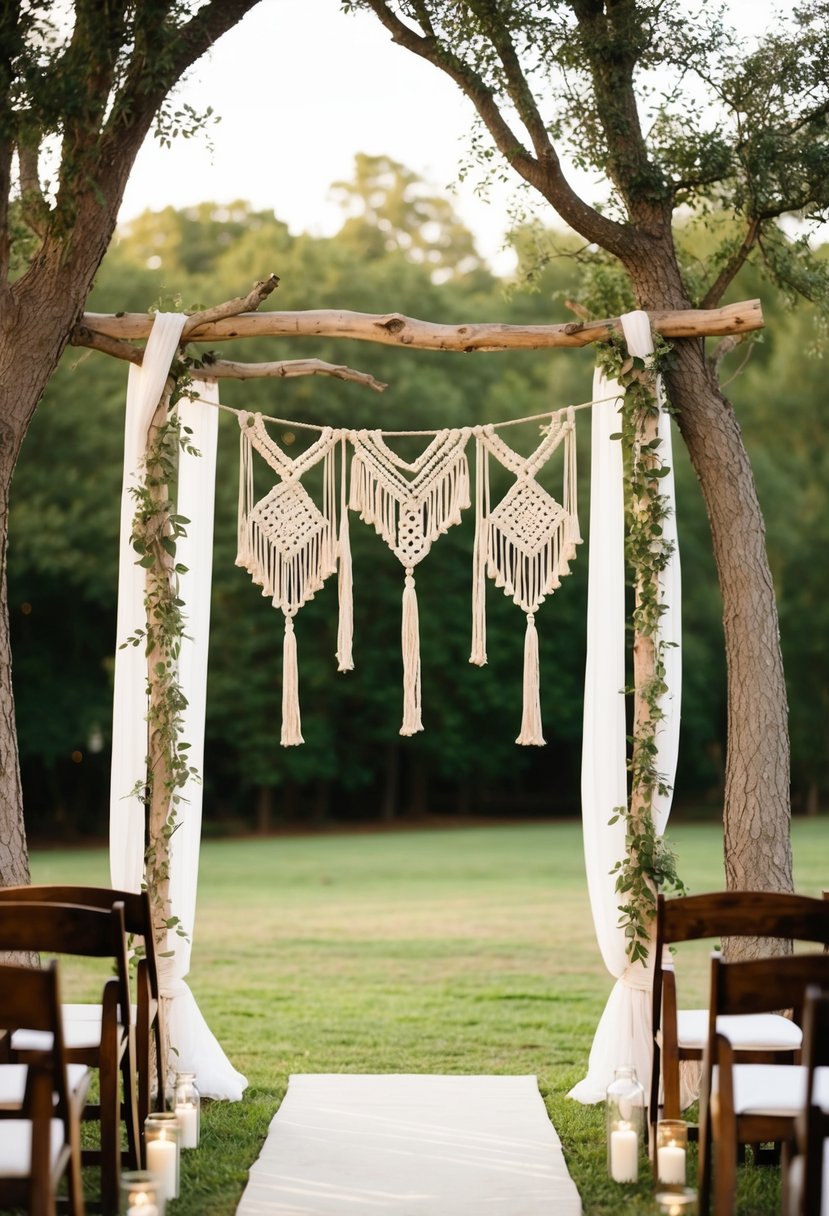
(524, 544)
(289, 546)
(410, 503)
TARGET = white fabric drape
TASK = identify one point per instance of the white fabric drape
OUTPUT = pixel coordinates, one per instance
(129, 709)
(196, 1048)
(623, 1034)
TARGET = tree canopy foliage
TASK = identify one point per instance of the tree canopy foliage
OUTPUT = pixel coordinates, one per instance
(682, 116)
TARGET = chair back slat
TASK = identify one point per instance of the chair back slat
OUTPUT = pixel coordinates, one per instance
(29, 997)
(743, 914)
(59, 929)
(137, 910)
(765, 984)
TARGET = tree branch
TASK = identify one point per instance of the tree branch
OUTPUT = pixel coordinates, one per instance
(545, 173)
(183, 46)
(714, 293)
(82, 335)
(517, 87)
(34, 206)
(231, 308)
(226, 369)
(612, 39)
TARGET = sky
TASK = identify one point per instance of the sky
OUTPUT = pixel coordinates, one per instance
(300, 88)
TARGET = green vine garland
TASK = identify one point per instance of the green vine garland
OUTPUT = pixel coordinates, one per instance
(156, 530)
(649, 863)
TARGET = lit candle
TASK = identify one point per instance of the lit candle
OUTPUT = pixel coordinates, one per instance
(670, 1163)
(677, 1203)
(188, 1121)
(162, 1161)
(140, 1206)
(624, 1154)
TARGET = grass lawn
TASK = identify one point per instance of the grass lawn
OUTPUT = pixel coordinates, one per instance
(454, 951)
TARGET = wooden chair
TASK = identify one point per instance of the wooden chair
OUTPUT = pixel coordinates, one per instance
(108, 1043)
(148, 1011)
(40, 1103)
(680, 1035)
(744, 1103)
(806, 1192)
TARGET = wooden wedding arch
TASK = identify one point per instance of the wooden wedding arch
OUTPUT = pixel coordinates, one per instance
(117, 335)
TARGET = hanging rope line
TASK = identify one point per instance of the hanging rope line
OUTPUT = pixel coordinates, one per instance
(475, 430)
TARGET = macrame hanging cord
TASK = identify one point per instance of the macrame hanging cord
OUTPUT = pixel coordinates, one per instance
(525, 545)
(287, 544)
(410, 503)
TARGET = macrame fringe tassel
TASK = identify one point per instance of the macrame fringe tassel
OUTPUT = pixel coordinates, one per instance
(291, 722)
(410, 636)
(570, 495)
(345, 632)
(531, 730)
(478, 654)
(244, 555)
(345, 589)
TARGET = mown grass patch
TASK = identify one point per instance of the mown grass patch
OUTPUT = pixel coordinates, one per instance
(455, 951)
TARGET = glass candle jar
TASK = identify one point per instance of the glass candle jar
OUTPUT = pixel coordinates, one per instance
(625, 1119)
(681, 1202)
(161, 1133)
(187, 1109)
(671, 1151)
(139, 1194)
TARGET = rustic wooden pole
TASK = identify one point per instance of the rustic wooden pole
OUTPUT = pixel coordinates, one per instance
(393, 329)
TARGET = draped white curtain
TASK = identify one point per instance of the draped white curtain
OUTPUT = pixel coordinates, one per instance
(623, 1036)
(196, 1047)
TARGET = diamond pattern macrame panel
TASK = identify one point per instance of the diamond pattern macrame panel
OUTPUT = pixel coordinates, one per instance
(412, 545)
(288, 517)
(528, 517)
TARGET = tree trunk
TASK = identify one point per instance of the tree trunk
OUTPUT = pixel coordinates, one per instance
(757, 807)
(36, 317)
(264, 810)
(391, 783)
(14, 863)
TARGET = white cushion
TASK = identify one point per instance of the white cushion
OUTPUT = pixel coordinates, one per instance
(80, 1035)
(766, 1089)
(747, 1032)
(81, 1030)
(16, 1146)
(820, 1095)
(13, 1081)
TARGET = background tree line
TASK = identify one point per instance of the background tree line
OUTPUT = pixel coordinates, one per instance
(402, 249)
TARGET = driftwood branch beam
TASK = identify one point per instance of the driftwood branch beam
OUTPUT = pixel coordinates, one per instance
(393, 329)
(226, 369)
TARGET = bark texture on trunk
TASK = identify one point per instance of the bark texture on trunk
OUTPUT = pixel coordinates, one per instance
(757, 843)
(37, 314)
(757, 807)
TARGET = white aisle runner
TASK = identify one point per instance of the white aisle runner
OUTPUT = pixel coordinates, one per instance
(416, 1145)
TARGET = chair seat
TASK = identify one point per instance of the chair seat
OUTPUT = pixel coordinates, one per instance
(820, 1094)
(13, 1082)
(777, 1090)
(81, 1030)
(745, 1032)
(16, 1146)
